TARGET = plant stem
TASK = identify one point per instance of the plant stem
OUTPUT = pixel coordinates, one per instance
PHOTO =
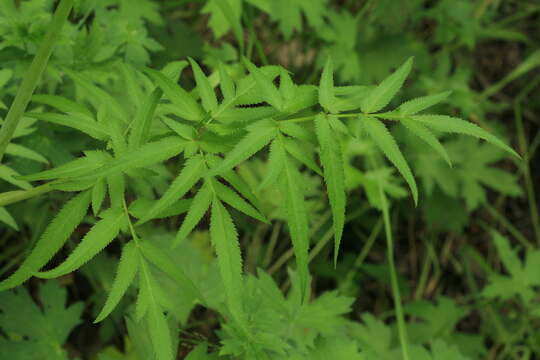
(402, 330)
(11, 197)
(33, 75)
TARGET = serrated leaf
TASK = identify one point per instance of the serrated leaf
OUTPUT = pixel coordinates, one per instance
(186, 106)
(125, 273)
(199, 206)
(451, 124)
(75, 121)
(140, 128)
(230, 197)
(75, 168)
(414, 106)
(98, 195)
(117, 188)
(159, 333)
(276, 162)
(381, 137)
(226, 84)
(334, 175)
(225, 240)
(249, 145)
(24, 152)
(379, 97)
(297, 219)
(190, 174)
(63, 104)
(269, 91)
(206, 92)
(302, 154)
(423, 133)
(52, 239)
(287, 88)
(99, 236)
(327, 98)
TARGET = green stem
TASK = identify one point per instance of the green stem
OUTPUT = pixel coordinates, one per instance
(11, 197)
(402, 330)
(33, 75)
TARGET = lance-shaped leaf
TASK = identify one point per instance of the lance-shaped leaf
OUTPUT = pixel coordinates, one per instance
(75, 121)
(423, 133)
(190, 174)
(327, 98)
(378, 132)
(297, 219)
(254, 141)
(163, 262)
(226, 84)
(98, 195)
(140, 127)
(276, 162)
(199, 206)
(451, 124)
(414, 106)
(125, 273)
(101, 234)
(334, 175)
(63, 104)
(160, 334)
(229, 196)
(379, 97)
(72, 169)
(186, 106)
(54, 236)
(206, 92)
(24, 152)
(302, 152)
(269, 91)
(225, 241)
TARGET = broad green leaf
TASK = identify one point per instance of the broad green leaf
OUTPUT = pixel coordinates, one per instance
(334, 175)
(99, 236)
(188, 177)
(225, 240)
(75, 121)
(52, 239)
(140, 127)
(297, 219)
(98, 195)
(206, 92)
(379, 97)
(276, 162)
(24, 152)
(163, 262)
(423, 133)
(230, 197)
(125, 273)
(327, 98)
(286, 86)
(378, 132)
(186, 106)
(63, 104)
(269, 91)
(249, 145)
(199, 206)
(414, 106)
(451, 124)
(226, 84)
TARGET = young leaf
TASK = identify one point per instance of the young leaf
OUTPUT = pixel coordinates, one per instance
(423, 133)
(190, 174)
(226, 84)
(54, 236)
(125, 273)
(327, 98)
(382, 138)
(334, 175)
(230, 197)
(249, 145)
(297, 218)
(379, 97)
(225, 240)
(206, 92)
(199, 206)
(414, 106)
(269, 91)
(93, 242)
(186, 106)
(451, 124)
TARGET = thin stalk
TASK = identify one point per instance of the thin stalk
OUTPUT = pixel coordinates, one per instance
(11, 197)
(32, 76)
(402, 330)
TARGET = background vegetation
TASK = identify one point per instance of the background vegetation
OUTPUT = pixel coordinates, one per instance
(127, 102)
